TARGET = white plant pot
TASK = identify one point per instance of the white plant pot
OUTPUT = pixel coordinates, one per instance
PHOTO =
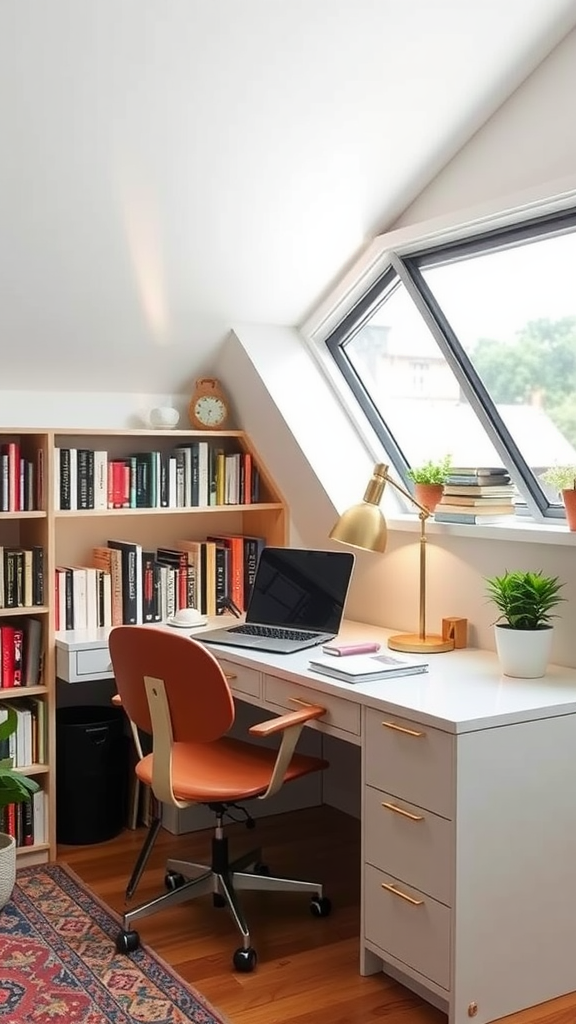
(523, 653)
(7, 867)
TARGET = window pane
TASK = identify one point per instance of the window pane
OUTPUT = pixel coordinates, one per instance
(413, 387)
(514, 312)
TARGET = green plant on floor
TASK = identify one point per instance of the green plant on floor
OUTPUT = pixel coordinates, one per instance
(524, 599)
(432, 472)
(15, 788)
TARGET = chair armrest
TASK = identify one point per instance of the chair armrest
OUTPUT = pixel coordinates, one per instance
(290, 725)
(281, 722)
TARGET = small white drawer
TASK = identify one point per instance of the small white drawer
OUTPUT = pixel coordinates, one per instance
(241, 679)
(412, 927)
(411, 761)
(93, 662)
(75, 665)
(409, 842)
(340, 714)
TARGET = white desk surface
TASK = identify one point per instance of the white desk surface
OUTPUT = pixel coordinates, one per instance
(463, 690)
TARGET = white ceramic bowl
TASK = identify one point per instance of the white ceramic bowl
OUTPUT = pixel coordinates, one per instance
(164, 417)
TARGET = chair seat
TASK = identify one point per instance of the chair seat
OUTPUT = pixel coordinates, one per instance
(227, 769)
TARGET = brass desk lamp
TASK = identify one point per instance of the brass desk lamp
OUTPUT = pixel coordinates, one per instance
(364, 526)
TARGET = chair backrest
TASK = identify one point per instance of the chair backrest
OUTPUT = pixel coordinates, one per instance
(201, 704)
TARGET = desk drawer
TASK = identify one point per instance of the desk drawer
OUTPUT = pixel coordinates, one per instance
(408, 842)
(340, 714)
(93, 662)
(411, 761)
(412, 927)
(241, 679)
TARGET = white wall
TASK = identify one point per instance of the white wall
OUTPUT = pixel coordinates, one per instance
(528, 142)
(527, 145)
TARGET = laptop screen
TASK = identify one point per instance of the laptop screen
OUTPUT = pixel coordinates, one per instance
(295, 587)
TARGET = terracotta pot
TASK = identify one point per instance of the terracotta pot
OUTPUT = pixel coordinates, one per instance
(569, 499)
(429, 494)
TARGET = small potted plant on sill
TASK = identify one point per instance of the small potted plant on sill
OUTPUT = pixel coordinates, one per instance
(523, 630)
(429, 480)
(15, 788)
(563, 480)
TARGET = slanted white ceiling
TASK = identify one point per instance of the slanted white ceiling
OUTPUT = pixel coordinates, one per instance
(171, 167)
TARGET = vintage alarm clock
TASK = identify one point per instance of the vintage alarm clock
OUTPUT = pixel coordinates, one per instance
(208, 409)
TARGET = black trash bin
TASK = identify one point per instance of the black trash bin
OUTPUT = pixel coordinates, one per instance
(91, 774)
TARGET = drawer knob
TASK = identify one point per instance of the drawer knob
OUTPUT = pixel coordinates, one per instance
(402, 895)
(405, 814)
(229, 675)
(402, 728)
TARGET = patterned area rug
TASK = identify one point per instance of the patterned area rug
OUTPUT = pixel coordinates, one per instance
(58, 963)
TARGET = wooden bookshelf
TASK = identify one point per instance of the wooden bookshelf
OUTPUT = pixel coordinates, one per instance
(69, 536)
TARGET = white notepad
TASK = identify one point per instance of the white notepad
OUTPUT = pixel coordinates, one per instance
(361, 668)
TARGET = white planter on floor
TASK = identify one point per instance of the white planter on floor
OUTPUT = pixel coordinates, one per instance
(7, 867)
(523, 653)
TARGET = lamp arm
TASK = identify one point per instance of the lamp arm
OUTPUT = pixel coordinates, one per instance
(424, 513)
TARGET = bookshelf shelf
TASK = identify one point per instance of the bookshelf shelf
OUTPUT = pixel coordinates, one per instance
(40, 609)
(13, 692)
(29, 854)
(17, 516)
(68, 537)
(34, 769)
(109, 513)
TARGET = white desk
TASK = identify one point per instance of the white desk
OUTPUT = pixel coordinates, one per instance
(468, 819)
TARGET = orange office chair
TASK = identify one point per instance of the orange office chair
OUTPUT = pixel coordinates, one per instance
(173, 688)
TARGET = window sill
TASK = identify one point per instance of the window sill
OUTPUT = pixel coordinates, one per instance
(517, 530)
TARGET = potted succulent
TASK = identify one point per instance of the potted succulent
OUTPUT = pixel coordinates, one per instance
(523, 629)
(429, 479)
(14, 788)
(563, 480)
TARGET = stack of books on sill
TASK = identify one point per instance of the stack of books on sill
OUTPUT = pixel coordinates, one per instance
(476, 495)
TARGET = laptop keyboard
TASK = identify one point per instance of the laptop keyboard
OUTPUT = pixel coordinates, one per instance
(273, 632)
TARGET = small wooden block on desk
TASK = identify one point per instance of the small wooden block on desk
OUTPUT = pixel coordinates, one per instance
(455, 629)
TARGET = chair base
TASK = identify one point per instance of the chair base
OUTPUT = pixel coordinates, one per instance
(187, 880)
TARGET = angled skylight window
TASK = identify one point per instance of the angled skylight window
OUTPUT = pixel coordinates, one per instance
(470, 349)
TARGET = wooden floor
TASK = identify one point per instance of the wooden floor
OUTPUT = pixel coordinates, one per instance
(307, 970)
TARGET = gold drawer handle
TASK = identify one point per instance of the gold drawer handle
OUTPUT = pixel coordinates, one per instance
(405, 814)
(303, 703)
(402, 895)
(401, 728)
(230, 675)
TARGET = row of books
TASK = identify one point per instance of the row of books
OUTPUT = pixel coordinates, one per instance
(129, 584)
(21, 577)
(195, 475)
(476, 495)
(21, 653)
(27, 745)
(20, 480)
(26, 821)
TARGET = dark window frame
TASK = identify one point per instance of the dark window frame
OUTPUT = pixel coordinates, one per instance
(405, 268)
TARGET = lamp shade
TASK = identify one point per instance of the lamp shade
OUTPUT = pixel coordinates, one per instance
(362, 526)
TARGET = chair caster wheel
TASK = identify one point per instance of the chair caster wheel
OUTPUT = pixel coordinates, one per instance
(261, 869)
(127, 942)
(244, 960)
(320, 906)
(173, 880)
(218, 900)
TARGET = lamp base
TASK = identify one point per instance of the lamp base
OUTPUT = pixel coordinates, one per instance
(413, 643)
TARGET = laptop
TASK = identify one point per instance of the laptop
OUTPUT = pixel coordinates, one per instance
(297, 600)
